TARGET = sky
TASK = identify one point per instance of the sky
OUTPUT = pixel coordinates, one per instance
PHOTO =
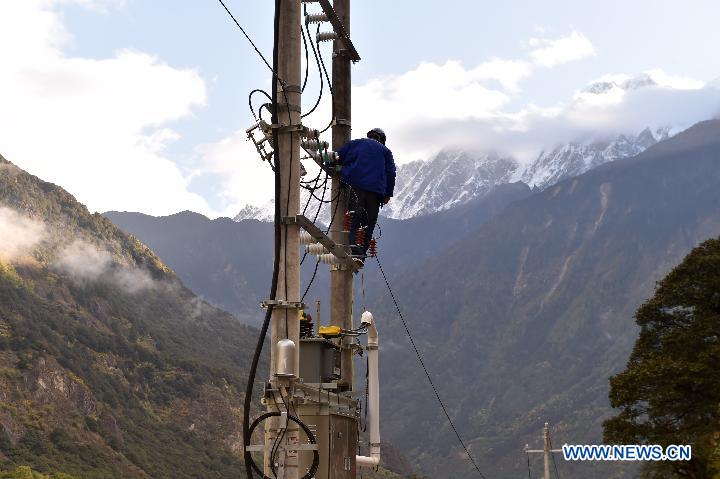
(138, 105)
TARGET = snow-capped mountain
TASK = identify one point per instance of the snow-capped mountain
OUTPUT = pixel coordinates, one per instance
(576, 158)
(450, 179)
(453, 178)
(265, 212)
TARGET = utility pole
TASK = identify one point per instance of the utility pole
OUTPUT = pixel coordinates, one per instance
(311, 421)
(546, 451)
(284, 322)
(341, 279)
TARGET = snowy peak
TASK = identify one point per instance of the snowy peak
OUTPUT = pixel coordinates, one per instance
(450, 179)
(455, 177)
(576, 158)
(266, 212)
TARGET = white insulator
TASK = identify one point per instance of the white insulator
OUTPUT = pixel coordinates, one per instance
(316, 18)
(305, 238)
(328, 259)
(310, 133)
(316, 249)
(326, 36)
(315, 145)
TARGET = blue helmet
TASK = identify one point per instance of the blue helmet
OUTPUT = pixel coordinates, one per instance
(377, 134)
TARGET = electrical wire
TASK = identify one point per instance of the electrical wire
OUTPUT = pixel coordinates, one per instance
(317, 263)
(427, 374)
(528, 464)
(317, 62)
(557, 474)
(330, 87)
(257, 50)
(276, 263)
(250, 95)
(307, 62)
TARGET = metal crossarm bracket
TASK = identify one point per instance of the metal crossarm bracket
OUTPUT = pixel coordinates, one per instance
(339, 29)
(332, 247)
(282, 304)
(294, 447)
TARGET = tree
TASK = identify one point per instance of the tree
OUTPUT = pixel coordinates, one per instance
(669, 392)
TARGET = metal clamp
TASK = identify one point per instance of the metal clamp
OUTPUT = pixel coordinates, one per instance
(282, 107)
(282, 304)
(292, 88)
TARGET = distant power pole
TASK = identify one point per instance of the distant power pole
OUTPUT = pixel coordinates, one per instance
(546, 451)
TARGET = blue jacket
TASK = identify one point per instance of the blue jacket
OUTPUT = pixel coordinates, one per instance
(369, 165)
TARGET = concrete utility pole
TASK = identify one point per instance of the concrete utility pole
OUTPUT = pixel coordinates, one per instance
(546, 451)
(341, 279)
(311, 421)
(284, 323)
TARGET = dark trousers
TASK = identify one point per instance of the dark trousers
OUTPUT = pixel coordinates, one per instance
(366, 205)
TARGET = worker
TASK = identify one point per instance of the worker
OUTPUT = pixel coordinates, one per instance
(368, 172)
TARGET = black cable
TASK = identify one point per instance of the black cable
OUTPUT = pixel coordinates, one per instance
(317, 61)
(528, 464)
(557, 474)
(250, 95)
(280, 437)
(276, 264)
(317, 263)
(311, 438)
(427, 374)
(273, 70)
(330, 87)
(317, 214)
(307, 61)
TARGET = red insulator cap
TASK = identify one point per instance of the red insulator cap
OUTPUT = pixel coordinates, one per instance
(360, 236)
(372, 249)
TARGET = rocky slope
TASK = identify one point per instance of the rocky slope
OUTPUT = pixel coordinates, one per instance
(109, 366)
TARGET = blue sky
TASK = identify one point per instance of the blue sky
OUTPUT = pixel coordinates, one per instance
(140, 105)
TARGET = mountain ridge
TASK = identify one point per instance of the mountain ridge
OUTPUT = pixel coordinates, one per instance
(530, 329)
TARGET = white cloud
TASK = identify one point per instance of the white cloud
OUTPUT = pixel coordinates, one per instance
(86, 263)
(613, 105)
(96, 127)
(429, 94)
(242, 177)
(18, 234)
(428, 108)
(551, 52)
(508, 73)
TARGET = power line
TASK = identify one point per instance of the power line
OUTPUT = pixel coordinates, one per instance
(257, 50)
(557, 474)
(528, 464)
(427, 374)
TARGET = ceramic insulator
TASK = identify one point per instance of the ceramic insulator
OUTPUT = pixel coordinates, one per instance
(328, 259)
(316, 249)
(305, 238)
(327, 37)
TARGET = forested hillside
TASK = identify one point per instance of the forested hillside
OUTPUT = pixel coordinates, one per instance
(109, 366)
